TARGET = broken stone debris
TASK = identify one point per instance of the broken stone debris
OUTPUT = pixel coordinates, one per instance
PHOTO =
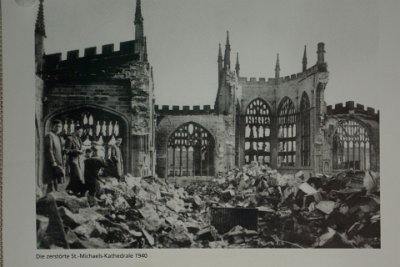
(293, 212)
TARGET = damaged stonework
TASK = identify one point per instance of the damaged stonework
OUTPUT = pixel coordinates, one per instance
(280, 119)
(252, 207)
(220, 129)
(114, 89)
(140, 80)
(109, 93)
(282, 122)
(210, 150)
(365, 141)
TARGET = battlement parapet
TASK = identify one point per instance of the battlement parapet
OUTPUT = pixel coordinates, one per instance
(350, 107)
(312, 70)
(254, 80)
(90, 53)
(183, 110)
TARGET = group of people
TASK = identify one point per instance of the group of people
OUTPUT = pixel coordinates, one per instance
(85, 166)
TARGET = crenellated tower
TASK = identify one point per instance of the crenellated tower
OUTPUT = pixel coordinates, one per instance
(114, 86)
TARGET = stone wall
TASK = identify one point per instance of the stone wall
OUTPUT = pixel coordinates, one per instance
(111, 95)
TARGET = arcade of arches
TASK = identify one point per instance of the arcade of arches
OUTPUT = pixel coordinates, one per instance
(288, 131)
(284, 135)
(191, 149)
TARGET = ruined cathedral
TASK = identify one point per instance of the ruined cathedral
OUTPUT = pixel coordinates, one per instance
(282, 122)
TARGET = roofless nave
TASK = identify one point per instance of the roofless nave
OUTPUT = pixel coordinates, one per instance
(282, 122)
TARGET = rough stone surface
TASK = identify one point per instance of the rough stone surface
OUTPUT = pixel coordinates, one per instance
(70, 219)
(73, 203)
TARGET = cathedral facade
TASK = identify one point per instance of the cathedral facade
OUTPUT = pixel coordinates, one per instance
(282, 122)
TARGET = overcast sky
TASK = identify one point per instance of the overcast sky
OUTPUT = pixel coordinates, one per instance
(183, 37)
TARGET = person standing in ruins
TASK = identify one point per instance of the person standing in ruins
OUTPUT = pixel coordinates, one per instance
(94, 167)
(53, 172)
(115, 156)
(74, 152)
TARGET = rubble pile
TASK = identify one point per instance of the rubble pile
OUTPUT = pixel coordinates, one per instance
(292, 212)
(338, 211)
(138, 213)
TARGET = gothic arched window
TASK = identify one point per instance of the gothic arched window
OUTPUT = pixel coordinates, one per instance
(305, 130)
(351, 147)
(286, 133)
(190, 151)
(257, 132)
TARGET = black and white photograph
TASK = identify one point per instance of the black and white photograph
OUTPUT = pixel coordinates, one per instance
(220, 158)
(160, 131)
